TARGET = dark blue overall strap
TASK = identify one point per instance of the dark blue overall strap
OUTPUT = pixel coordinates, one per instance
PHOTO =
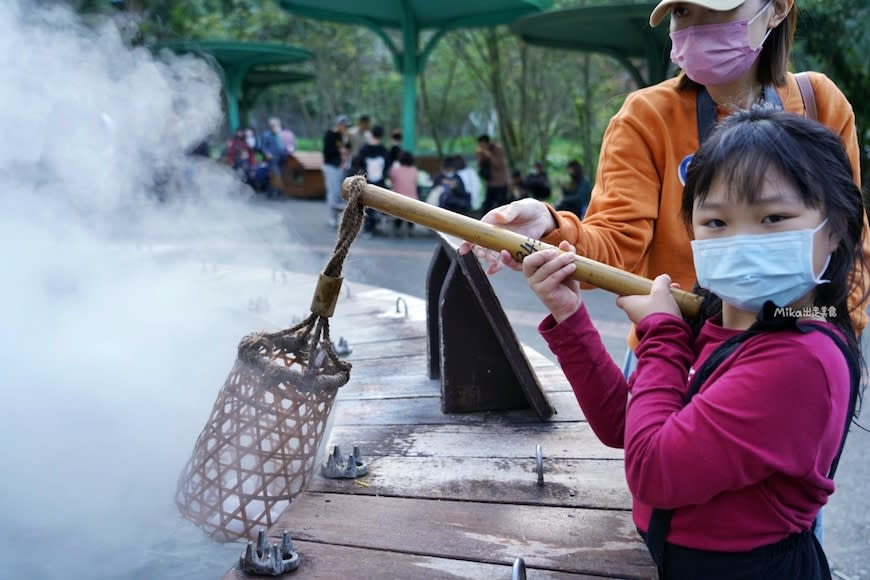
(854, 388)
(707, 113)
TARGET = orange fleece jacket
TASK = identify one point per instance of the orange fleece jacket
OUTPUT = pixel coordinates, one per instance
(633, 221)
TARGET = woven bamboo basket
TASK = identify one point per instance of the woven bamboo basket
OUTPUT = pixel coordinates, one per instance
(260, 444)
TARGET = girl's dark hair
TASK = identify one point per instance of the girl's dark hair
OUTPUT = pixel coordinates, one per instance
(741, 152)
(774, 57)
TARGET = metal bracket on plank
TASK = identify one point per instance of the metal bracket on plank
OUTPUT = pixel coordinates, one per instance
(337, 468)
(267, 559)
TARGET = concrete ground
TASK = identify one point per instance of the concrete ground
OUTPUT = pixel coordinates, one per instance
(401, 264)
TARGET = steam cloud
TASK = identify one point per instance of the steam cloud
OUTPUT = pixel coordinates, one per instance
(120, 310)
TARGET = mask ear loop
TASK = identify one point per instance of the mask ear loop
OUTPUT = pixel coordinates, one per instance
(819, 279)
(754, 18)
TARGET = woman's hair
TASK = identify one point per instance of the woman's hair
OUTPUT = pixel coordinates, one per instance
(576, 170)
(742, 151)
(774, 57)
(406, 158)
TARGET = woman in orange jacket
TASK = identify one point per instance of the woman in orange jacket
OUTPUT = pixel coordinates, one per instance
(733, 54)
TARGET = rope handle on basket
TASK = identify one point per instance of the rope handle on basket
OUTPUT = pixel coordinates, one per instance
(349, 227)
(329, 283)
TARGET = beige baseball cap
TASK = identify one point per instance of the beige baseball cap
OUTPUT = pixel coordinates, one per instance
(658, 14)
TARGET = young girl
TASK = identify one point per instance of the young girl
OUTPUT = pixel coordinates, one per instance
(734, 425)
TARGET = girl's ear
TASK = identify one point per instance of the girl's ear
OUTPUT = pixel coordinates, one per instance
(834, 239)
(780, 11)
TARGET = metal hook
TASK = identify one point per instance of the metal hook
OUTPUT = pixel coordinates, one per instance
(342, 348)
(402, 300)
(519, 570)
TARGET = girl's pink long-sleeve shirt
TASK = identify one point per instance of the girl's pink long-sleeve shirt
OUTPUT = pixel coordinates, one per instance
(746, 462)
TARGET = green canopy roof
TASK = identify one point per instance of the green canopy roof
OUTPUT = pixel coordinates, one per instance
(447, 14)
(259, 79)
(240, 66)
(620, 30)
(412, 17)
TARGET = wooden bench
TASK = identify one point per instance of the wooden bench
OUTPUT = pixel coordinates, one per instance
(302, 176)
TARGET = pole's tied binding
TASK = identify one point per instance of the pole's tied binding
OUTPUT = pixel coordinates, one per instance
(326, 295)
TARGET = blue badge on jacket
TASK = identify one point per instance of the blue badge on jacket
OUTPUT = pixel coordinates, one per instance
(684, 167)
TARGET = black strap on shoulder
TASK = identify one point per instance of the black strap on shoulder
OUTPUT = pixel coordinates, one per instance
(855, 386)
(660, 520)
(707, 112)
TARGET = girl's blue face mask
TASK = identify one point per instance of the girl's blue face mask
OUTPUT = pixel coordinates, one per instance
(746, 271)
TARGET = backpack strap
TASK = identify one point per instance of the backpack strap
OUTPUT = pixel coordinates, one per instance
(808, 95)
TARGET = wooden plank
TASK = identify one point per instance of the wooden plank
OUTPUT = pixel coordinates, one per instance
(351, 310)
(427, 410)
(378, 350)
(603, 542)
(330, 561)
(557, 440)
(598, 484)
(409, 364)
(368, 371)
(416, 306)
(552, 378)
(391, 386)
(376, 331)
(385, 313)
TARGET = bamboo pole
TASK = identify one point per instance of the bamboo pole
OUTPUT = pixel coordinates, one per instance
(495, 238)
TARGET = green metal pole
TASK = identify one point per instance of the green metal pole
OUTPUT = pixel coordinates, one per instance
(233, 90)
(410, 37)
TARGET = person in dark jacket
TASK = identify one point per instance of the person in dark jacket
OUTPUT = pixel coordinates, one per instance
(577, 192)
(336, 150)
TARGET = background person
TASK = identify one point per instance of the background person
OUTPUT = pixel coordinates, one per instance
(577, 192)
(536, 183)
(470, 181)
(335, 156)
(493, 168)
(403, 179)
(372, 159)
(275, 153)
(359, 135)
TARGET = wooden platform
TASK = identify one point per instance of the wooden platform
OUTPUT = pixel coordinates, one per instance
(455, 495)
